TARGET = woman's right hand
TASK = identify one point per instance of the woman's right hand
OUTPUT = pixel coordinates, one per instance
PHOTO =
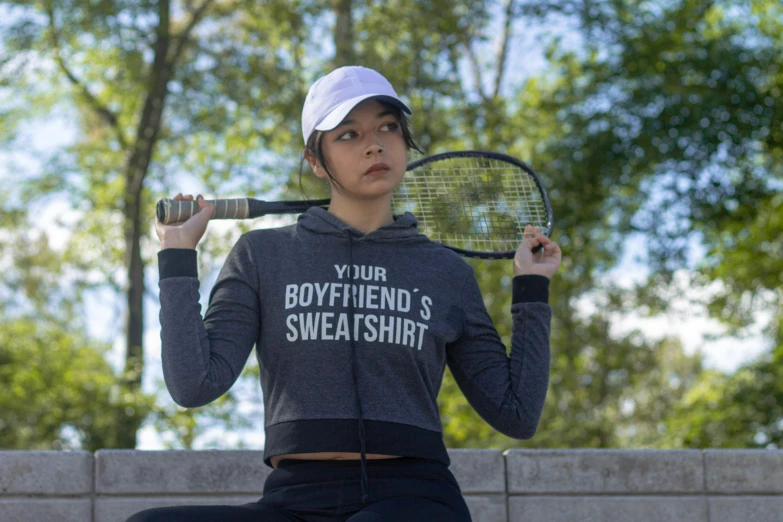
(188, 233)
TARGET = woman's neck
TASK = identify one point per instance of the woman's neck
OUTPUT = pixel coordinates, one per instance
(364, 216)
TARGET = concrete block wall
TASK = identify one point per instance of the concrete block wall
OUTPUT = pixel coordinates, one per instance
(510, 486)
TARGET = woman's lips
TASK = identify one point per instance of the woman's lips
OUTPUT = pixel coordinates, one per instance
(377, 167)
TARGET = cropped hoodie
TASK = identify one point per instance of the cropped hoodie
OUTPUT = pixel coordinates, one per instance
(352, 333)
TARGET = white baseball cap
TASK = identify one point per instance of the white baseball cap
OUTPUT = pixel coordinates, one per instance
(333, 96)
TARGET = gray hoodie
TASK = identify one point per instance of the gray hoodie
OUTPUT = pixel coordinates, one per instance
(333, 366)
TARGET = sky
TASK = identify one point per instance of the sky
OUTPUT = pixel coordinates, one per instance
(692, 325)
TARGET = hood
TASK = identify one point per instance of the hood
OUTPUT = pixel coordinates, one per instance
(320, 221)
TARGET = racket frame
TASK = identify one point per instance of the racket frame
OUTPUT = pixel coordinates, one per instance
(294, 206)
(501, 157)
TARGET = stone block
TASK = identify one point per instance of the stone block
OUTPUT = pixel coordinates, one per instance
(180, 472)
(605, 471)
(607, 509)
(110, 509)
(744, 471)
(45, 472)
(479, 471)
(750, 508)
(40, 509)
(487, 508)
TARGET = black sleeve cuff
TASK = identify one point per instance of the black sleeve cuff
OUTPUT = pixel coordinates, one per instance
(177, 262)
(530, 288)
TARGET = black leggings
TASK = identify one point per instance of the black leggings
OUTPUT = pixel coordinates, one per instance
(407, 488)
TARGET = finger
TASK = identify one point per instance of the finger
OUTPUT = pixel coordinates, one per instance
(526, 243)
(207, 208)
(530, 242)
(552, 249)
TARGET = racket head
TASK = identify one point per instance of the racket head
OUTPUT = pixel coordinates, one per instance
(475, 202)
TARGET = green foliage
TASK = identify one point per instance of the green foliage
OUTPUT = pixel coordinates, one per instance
(58, 390)
(662, 120)
(746, 256)
(743, 410)
(187, 426)
(660, 136)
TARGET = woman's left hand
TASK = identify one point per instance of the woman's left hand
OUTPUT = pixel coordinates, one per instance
(545, 262)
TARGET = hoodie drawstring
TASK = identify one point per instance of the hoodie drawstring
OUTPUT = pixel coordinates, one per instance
(364, 480)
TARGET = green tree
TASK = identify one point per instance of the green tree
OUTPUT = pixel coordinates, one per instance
(615, 126)
(678, 107)
(743, 410)
(148, 84)
(58, 390)
(213, 89)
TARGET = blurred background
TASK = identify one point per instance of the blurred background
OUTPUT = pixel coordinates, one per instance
(656, 125)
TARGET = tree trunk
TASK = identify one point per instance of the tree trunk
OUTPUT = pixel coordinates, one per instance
(135, 171)
(343, 33)
(503, 47)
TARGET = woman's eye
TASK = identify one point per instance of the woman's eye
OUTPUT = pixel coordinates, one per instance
(342, 136)
(392, 126)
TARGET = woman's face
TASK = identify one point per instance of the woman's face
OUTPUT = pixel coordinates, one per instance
(369, 135)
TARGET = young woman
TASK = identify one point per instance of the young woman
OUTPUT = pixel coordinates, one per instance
(354, 315)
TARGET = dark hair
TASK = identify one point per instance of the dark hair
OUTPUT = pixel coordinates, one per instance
(315, 146)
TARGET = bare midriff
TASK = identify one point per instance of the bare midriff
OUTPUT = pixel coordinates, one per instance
(331, 455)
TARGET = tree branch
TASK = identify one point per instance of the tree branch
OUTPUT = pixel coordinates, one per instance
(183, 37)
(101, 110)
(503, 51)
(475, 66)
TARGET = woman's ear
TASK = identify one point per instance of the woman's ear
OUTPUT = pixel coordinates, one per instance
(314, 166)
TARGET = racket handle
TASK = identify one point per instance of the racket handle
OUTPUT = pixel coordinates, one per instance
(177, 210)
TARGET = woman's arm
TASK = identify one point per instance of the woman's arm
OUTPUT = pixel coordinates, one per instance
(203, 358)
(509, 392)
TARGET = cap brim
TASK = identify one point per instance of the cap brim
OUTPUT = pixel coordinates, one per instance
(339, 113)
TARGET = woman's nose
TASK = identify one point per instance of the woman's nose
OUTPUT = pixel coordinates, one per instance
(374, 148)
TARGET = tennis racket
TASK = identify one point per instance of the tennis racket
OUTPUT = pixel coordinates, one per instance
(476, 203)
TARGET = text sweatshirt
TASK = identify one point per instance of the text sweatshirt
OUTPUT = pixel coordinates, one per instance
(360, 374)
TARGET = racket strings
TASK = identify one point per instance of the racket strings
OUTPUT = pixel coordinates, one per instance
(473, 203)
